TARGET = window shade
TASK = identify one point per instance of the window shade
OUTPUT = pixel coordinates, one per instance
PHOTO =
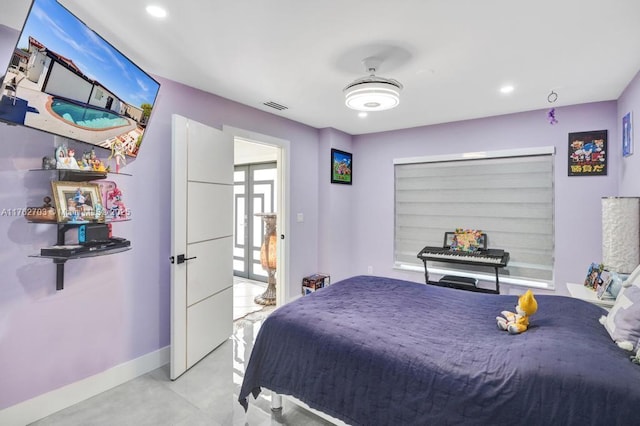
(509, 198)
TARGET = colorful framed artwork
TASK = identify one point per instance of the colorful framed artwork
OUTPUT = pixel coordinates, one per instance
(627, 135)
(78, 202)
(341, 167)
(588, 153)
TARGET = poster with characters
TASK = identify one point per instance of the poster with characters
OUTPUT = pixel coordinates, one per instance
(588, 153)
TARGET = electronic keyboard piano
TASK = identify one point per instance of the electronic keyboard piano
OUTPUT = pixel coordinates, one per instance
(494, 258)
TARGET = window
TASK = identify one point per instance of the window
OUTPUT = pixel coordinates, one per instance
(506, 194)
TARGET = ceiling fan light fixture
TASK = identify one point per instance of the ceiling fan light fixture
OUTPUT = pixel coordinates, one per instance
(373, 94)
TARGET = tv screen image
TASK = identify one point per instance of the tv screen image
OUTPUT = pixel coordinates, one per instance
(65, 79)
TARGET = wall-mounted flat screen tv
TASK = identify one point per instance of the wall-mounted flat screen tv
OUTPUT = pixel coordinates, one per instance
(64, 79)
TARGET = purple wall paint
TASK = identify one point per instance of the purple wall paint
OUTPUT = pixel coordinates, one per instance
(115, 308)
(336, 205)
(630, 166)
(577, 199)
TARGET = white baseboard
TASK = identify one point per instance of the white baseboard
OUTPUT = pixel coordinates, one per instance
(43, 405)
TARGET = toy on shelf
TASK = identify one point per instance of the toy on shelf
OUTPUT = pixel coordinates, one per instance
(94, 162)
(117, 153)
(65, 158)
(46, 213)
(115, 208)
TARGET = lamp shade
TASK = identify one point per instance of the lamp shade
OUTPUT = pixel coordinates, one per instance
(372, 97)
(373, 93)
(268, 249)
(268, 258)
(268, 252)
(621, 233)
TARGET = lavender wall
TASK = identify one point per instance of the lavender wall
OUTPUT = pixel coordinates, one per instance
(630, 166)
(336, 206)
(115, 308)
(577, 199)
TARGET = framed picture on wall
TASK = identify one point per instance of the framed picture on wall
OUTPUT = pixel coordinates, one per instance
(78, 202)
(341, 167)
(588, 153)
(627, 135)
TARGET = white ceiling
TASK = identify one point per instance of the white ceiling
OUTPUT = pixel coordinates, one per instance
(452, 56)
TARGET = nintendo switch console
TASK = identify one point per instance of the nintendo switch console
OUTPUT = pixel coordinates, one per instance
(92, 233)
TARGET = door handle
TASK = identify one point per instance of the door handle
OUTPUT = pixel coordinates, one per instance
(181, 259)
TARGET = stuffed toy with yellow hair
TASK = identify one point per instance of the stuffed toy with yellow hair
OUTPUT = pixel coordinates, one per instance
(516, 323)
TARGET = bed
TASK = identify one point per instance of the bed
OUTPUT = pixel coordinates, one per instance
(380, 351)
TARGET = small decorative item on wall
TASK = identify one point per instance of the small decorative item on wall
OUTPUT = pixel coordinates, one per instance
(588, 153)
(551, 115)
(78, 202)
(341, 167)
(627, 135)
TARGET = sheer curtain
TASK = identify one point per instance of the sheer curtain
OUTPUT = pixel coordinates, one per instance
(508, 197)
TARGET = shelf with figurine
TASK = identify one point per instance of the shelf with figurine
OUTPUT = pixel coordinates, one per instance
(88, 207)
(86, 167)
(47, 213)
(79, 202)
(82, 200)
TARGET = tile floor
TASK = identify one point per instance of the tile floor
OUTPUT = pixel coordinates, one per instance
(244, 291)
(205, 395)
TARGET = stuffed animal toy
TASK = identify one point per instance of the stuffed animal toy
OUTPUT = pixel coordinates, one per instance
(516, 323)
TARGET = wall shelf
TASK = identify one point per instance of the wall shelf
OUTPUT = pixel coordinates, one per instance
(74, 175)
(113, 246)
(59, 261)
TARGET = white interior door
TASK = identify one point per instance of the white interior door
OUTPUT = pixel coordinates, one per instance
(201, 242)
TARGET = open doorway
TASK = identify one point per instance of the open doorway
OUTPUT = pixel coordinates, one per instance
(255, 192)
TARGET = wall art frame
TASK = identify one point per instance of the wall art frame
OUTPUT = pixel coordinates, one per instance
(588, 153)
(78, 202)
(341, 167)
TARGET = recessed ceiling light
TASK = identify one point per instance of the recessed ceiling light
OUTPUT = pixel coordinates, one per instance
(362, 114)
(156, 11)
(506, 89)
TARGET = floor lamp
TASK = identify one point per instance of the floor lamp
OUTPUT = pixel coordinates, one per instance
(620, 233)
(268, 258)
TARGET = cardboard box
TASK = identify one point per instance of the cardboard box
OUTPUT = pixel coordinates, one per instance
(314, 282)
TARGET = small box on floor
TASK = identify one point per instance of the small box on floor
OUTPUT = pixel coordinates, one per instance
(314, 282)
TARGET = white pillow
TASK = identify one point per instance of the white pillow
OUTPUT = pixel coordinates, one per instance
(623, 321)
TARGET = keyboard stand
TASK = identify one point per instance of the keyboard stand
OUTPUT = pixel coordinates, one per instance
(424, 256)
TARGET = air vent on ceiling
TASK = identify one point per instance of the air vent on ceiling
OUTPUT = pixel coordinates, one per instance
(275, 105)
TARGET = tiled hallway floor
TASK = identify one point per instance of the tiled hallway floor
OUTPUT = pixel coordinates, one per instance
(244, 291)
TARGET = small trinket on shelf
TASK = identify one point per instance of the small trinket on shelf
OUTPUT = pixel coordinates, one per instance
(117, 209)
(46, 213)
(117, 153)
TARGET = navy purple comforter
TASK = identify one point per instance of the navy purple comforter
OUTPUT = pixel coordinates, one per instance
(380, 351)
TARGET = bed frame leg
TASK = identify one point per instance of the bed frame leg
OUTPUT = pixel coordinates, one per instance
(276, 402)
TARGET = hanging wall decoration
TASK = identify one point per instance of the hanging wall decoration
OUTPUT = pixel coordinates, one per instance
(551, 115)
(588, 153)
(627, 135)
